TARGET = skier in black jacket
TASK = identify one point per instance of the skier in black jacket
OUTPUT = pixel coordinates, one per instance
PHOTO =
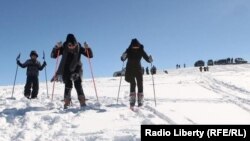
(70, 68)
(33, 68)
(134, 53)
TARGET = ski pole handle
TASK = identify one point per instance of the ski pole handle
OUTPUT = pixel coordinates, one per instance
(43, 56)
(85, 45)
(59, 44)
(18, 56)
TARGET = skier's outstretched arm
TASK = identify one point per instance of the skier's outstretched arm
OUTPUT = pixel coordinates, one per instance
(146, 57)
(58, 47)
(86, 51)
(42, 66)
(24, 65)
(124, 56)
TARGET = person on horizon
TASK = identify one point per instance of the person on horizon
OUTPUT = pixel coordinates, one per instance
(200, 68)
(153, 70)
(147, 71)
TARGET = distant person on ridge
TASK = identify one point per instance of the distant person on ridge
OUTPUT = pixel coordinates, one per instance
(153, 70)
(147, 71)
(33, 68)
(70, 68)
(134, 53)
(200, 68)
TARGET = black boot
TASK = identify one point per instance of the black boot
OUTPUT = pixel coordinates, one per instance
(27, 92)
(27, 95)
(82, 100)
(80, 93)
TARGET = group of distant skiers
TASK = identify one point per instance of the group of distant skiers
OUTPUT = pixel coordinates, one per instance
(152, 70)
(70, 69)
(205, 68)
(178, 66)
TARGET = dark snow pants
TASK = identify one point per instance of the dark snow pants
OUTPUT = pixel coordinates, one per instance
(136, 78)
(31, 82)
(69, 85)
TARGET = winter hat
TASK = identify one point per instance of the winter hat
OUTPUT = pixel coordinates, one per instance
(71, 39)
(33, 52)
(135, 42)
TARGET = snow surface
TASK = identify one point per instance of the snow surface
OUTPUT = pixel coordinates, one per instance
(184, 96)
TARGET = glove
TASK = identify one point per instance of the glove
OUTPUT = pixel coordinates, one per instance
(44, 63)
(150, 59)
(124, 56)
(18, 57)
(18, 62)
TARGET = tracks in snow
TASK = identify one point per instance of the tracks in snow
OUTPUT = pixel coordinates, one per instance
(229, 92)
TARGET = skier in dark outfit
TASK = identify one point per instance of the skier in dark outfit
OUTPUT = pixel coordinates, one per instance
(33, 68)
(134, 53)
(70, 68)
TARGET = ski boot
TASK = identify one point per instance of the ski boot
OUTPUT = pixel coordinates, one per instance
(82, 100)
(140, 99)
(66, 103)
(132, 99)
(33, 96)
(67, 97)
(27, 96)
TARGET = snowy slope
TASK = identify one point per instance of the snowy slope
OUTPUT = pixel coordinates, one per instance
(184, 96)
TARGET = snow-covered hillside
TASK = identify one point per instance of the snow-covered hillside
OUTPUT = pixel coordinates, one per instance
(184, 96)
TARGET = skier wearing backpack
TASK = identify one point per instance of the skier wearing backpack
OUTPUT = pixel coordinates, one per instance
(70, 67)
(33, 68)
(133, 74)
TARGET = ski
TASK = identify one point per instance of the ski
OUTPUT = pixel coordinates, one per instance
(90, 107)
(71, 104)
(135, 108)
(85, 99)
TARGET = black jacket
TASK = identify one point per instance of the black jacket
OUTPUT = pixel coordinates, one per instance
(71, 61)
(134, 57)
(33, 67)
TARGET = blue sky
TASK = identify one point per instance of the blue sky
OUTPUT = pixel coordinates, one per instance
(172, 31)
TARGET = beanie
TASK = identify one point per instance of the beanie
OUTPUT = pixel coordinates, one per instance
(33, 52)
(71, 39)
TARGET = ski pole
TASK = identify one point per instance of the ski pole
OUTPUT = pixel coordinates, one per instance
(18, 57)
(153, 84)
(120, 83)
(90, 65)
(46, 75)
(57, 58)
